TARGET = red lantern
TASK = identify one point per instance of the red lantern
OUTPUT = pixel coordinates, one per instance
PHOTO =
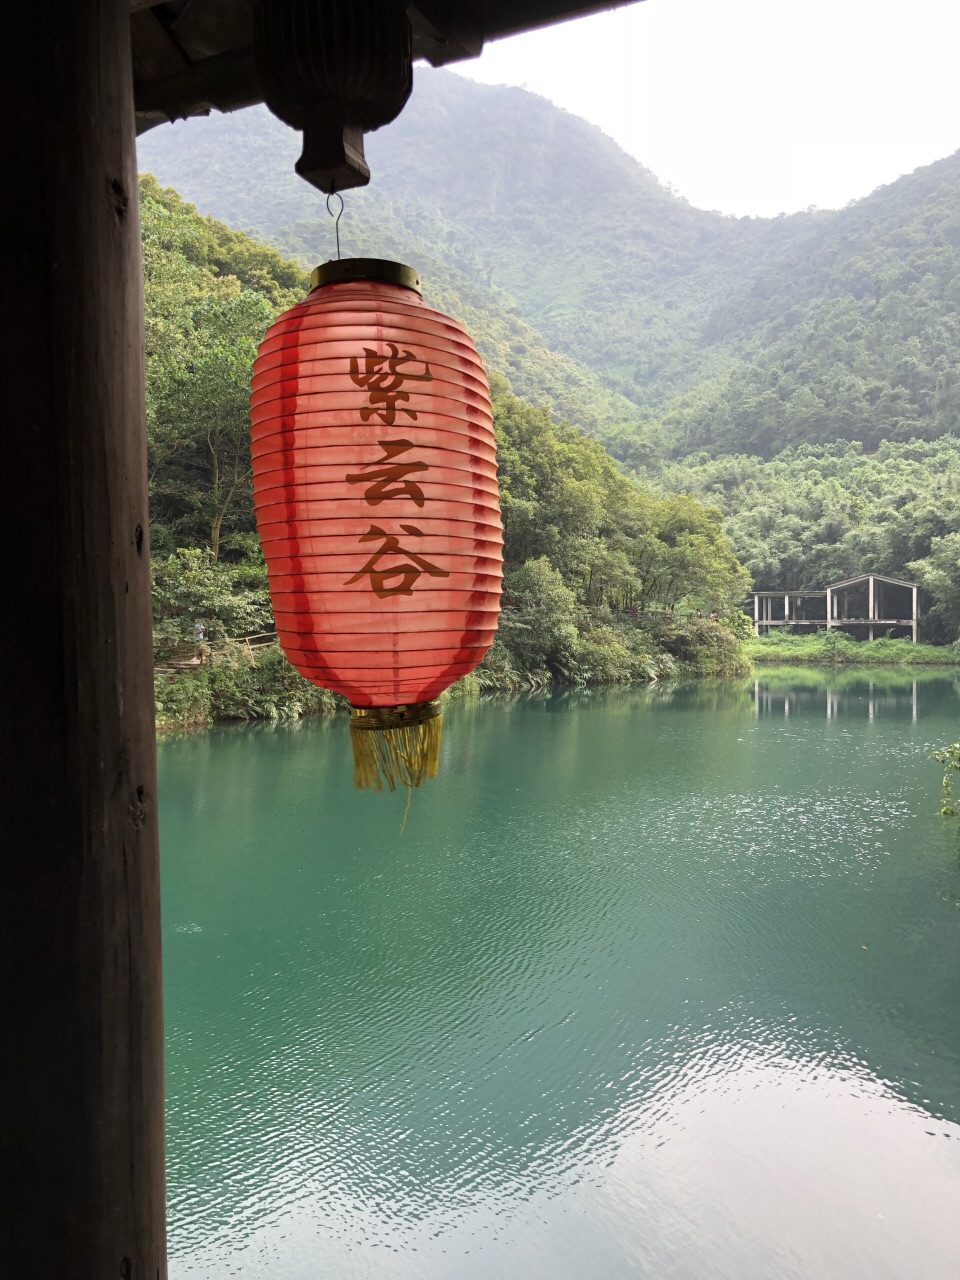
(375, 487)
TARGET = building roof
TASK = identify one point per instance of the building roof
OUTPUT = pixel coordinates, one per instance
(837, 586)
(879, 577)
(194, 56)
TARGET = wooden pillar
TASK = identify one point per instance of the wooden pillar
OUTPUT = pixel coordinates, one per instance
(915, 617)
(786, 608)
(829, 612)
(83, 1098)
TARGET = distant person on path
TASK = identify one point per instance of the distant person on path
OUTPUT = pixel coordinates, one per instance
(199, 635)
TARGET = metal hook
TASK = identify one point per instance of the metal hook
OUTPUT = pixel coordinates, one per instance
(336, 225)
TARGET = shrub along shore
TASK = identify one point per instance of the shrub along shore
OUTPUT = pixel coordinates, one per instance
(838, 648)
(236, 683)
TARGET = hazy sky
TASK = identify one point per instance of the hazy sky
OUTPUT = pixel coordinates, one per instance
(755, 106)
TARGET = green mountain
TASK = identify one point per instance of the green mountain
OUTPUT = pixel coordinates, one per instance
(592, 286)
(211, 161)
(827, 342)
(474, 185)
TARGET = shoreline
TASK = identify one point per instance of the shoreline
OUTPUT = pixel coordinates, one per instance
(836, 649)
(267, 689)
(466, 690)
(808, 669)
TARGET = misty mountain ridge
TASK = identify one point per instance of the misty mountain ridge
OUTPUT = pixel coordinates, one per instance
(656, 325)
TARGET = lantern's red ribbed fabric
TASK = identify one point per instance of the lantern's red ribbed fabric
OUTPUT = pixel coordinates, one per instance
(375, 487)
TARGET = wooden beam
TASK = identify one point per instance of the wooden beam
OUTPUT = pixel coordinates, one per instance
(497, 18)
(155, 52)
(444, 42)
(83, 1129)
(225, 82)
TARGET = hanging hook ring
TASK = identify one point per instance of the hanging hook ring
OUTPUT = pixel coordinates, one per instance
(339, 214)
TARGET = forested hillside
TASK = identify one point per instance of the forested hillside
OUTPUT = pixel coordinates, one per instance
(674, 335)
(595, 562)
(851, 328)
(816, 515)
(734, 334)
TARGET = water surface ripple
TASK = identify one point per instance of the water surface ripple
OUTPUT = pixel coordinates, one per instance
(653, 985)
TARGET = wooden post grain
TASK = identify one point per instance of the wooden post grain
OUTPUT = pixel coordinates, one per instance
(83, 1124)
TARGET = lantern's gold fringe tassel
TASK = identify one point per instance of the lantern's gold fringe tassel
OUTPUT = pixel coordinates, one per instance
(395, 746)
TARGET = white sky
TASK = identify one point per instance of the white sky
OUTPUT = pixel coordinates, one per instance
(755, 106)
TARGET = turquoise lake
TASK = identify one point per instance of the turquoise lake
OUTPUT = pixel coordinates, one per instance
(654, 984)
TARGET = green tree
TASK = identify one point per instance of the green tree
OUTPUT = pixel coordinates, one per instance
(537, 618)
(939, 572)
(201, 423)
(189, 586)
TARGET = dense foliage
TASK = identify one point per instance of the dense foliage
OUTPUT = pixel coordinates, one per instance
(596, 565)
(600, 571)
(210, 293)
(836, 648)
(949, 757)
(818, 515)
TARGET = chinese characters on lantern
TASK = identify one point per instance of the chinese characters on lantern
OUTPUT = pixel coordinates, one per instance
(408, 573)
(384, 384)
(387, 479)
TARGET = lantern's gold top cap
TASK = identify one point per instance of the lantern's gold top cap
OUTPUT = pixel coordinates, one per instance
(344, 269)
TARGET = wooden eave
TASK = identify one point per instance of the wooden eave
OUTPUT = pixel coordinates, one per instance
(191, 57)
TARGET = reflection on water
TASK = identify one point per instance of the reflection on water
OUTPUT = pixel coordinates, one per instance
(657, 983)
(856, 694)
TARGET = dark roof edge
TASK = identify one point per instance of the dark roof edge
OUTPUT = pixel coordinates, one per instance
(444, 31)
